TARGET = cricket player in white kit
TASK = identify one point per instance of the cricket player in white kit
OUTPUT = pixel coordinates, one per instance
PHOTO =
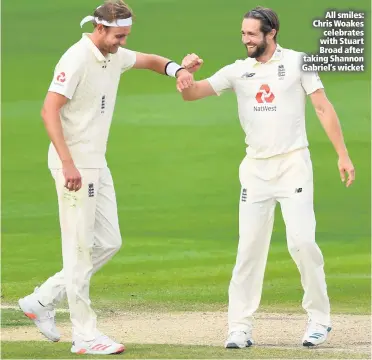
(271, 92)
(77, 113)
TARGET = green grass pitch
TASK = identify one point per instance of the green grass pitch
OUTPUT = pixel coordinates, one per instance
(175, 164)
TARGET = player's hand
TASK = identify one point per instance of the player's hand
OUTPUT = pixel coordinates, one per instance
(345, 166)
(184, 80)
(192, 63)
(72, 176)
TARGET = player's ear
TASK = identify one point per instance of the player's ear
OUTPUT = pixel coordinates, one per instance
(100, 28)
(271, 34)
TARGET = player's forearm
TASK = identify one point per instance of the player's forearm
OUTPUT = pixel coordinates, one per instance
(190, 93)
(52, 122)
(329, 120)
(158, 63)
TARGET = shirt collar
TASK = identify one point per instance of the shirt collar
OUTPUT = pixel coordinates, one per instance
(87, 40)
(277, 55)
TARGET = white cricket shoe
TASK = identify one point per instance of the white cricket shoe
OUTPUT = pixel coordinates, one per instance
(101, 345)
(42, 316)
(238, 340)
(315, 334)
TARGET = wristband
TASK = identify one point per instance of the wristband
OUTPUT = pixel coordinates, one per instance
(171, 68)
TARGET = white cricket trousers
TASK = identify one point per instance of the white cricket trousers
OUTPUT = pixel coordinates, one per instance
(287, 179)
(90, 237)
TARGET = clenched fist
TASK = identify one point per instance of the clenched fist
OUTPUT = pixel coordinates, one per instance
(192, 62)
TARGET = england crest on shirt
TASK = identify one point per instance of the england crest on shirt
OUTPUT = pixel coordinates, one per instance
(281, 72)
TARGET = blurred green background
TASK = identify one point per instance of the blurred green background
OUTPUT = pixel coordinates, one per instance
(175, 164)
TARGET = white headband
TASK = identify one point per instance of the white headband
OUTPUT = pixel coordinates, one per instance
(116, 23)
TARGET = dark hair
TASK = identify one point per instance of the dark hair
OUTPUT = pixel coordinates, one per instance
(113, 10)
(269, 19)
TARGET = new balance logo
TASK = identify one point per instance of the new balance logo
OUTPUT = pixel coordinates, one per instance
(248, 75)
(298, 190)
(91, 190)
(244, 195)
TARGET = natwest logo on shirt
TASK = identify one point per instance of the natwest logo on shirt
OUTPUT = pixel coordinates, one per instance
(265, 96)
(61, 77)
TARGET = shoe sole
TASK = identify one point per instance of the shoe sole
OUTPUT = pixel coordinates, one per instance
(308, 344)
(120, 350)
(33, 317)
(235, 346)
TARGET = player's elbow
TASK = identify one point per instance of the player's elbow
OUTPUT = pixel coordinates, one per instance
(44, 110)
(325, 108)
(49, 114)
(44, 113)
(319, 110)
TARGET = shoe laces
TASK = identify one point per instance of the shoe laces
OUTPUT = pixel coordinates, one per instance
(48, 314)
(51, 314)
(316, 327)
(104, 339)
(238, 333)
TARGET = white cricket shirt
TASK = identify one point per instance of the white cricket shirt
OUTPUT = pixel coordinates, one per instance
(90, 81)
(271, 100)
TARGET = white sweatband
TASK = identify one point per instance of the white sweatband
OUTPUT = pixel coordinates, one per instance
(171, 68)
(116, 23)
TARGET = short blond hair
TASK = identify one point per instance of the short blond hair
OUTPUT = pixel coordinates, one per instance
(113, 10)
